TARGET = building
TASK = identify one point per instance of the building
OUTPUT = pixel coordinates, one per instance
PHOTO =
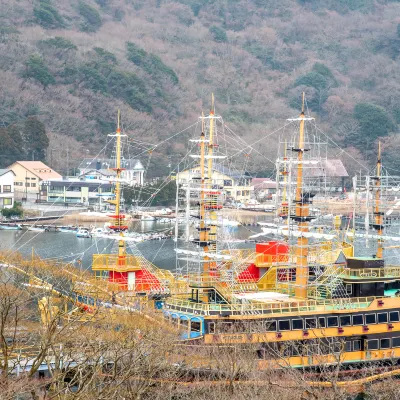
(133, 173)
(99, 175)
(237, 186)
(264, 188)
(78, 191)
(6, 188)
(29, 176)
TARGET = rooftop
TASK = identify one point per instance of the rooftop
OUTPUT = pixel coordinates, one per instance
(4, 171)
(41, 170)
(106, 163)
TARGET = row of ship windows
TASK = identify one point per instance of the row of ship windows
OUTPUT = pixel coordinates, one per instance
(306, 323)
(320, 347)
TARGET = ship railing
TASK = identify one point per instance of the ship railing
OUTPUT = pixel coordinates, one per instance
(368, 273)
(268, 308)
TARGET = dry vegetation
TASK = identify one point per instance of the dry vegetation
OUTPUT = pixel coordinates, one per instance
(256, 55)
(111, 353)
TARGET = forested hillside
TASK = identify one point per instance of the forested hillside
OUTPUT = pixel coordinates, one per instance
(70, 64)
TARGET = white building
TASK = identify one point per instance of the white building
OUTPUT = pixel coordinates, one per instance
(6, 188)
(79, 191)
(132, 174)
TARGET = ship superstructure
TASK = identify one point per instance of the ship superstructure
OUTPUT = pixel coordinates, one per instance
(309, 300)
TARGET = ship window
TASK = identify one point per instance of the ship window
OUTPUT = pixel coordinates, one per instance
(195, 326)
(382, 318)
(370, 319)
(349, 289)
(284, 325)
(394, 316)
(311, 323)
(332, 322)
(385, 343)
(321, 322)
(297, 323)
(345, 320)
(358, 320)
(357, 345)
(373, 344)
(396, 342)
(211, 327)
(270, 326)
(347, 346)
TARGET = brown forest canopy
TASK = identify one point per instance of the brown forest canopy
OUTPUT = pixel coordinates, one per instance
(71, 64)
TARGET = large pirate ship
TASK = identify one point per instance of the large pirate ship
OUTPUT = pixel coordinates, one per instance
(306, 296)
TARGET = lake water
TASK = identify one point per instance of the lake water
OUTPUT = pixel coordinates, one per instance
(68, 247)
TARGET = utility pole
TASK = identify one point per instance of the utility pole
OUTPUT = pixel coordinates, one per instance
(67, 161)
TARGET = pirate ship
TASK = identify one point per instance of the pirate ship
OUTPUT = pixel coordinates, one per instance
(306, 299)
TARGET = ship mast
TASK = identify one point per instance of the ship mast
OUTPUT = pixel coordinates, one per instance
(301, 215)
(118, 218)
(378, 214)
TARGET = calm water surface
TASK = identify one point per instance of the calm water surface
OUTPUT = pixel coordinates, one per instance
(69, 247)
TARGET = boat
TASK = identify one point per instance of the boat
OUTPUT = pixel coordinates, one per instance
(38, 229)
(83, 233)
(128, 272)
(304, 297)
(145, 218)
(68, 229)
(11, 226)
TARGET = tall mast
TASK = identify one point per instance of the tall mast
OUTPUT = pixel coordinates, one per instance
(118, 218)
(301, 215)
(378, 214)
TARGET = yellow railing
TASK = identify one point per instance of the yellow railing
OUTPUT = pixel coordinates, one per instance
(109, 262)
(370, 273)
(269, 308)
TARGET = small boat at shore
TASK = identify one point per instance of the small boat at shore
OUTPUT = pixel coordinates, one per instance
(11, 227)
(83, 233)
(38, 229)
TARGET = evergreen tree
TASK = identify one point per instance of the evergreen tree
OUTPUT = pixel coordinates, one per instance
(36, 139)
(11, 145)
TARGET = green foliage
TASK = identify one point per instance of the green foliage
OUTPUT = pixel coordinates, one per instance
(104, 78)
(105, 55)
(92, 20)
(35, 137)
(374, 122)
(59, 43)
(36, 69)
(11, 145)
(47, 16)
(130, 88)
(150, 63)
(15, 211)
(218, 34)
(321, 80)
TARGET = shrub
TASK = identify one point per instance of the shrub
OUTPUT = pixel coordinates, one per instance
(59, 43)
(105, 55)
(16, 210)
(36, 69)
(374, 121)
(218, 34)
(92, 20)
(131, 89)
(150, 63)
(47, 15)
(136, 54)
